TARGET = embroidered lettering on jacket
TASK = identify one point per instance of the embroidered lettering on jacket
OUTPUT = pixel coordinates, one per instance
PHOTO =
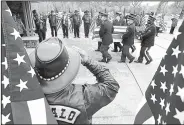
(65, 114)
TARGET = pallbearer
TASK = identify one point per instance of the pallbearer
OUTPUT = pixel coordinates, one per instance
(105, 34)
(148, 40)
(128, 39)
(118, 21)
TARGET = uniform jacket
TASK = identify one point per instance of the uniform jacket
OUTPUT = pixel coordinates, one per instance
(128, 37)
(77, 19)
(174, 22)
(53, 20)
(105, 32)
(121, 22)
(65, 21)
(148, 37)
(77, 103)
(86, 18)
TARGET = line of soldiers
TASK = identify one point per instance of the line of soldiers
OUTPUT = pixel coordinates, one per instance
(106, 30)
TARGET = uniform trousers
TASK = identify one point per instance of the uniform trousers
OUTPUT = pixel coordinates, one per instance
(76, 30)
(65, 30)
(104, 50)
(86, 29)
(53, 30)
(125, 53)
(145, 53)
(116, 45)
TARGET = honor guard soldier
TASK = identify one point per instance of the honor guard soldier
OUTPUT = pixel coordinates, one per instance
(87, 22)
(118, 21)
(99, 23)
(77, 23)
(148, 39)
(128, 39)
(105, 34)
(56, 70)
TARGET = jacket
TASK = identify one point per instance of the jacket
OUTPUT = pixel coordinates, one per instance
(77, 103)
(105, 32)
(98, 21)
(86, 18)
(77, 20)
(128, 37)
(148, 37)
(53, 20)
(65, 20)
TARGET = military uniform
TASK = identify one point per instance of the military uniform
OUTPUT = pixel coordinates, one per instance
(53, 24)
(105, 34)
(87, 22)
(174, 24)
(148, 40)
(117, 22)
(65, 21)
(128, 41)
(77, 23)
(76, 104)
(99, 23)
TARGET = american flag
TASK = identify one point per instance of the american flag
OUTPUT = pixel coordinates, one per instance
(117, 34)
(165, 94)
(23, 101)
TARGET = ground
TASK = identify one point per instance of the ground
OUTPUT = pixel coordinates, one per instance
(132, 78)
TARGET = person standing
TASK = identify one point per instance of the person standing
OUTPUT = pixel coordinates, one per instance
(65, 20)
(174, 24)
(105, 34)
(128, 39)
(38, 25)
(77, 23)
(157, 24)
(99, 23)
(148, 39)
(118, 21)
(87, 22)
(53, 24)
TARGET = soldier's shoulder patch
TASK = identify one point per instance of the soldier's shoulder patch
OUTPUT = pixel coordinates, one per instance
(64, 113)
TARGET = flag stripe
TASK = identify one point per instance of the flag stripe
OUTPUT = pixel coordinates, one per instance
(50, 118)
(143, 115)
(21, 113)
(37, 107)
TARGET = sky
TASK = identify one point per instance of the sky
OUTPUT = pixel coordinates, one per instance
(152, 3)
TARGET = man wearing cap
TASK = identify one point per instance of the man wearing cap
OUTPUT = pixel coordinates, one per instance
(105, 34)
(53, 24)
(118, 21)
(128, 39)
(148, 39)
(87, 22)
(65, 20)
(99, 23)
(77, 23)
(56, 70)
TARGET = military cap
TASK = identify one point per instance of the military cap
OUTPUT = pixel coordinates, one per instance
(86, 11)
(131, 16)
(151, 19)
(118, 13)
(104, 14)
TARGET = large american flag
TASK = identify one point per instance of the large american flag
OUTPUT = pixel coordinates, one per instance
(165, 94)
(23, 101)
(117, 34)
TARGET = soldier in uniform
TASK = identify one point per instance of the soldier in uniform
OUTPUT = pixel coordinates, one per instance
(71, 103)
(118, 21)
(77, 23)
(98, 23)
(148, 39)
(105, 34)
(53, 24)
(87, 22)
(128, 39)
(65, 21)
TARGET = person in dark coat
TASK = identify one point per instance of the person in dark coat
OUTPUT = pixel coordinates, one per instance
(148, 39)
(99, 23)
(128, 39)
(87, 22)
(77, 23)
(118, 21)
(105, 34)
(53, 24)
(65, 20)
(173, 25)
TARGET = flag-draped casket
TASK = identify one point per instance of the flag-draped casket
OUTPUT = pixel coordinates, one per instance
(23, 101)
(117, 34)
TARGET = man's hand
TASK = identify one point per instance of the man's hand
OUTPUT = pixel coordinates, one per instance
(83, 54)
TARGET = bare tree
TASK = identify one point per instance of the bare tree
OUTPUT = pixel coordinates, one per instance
(136, 4)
